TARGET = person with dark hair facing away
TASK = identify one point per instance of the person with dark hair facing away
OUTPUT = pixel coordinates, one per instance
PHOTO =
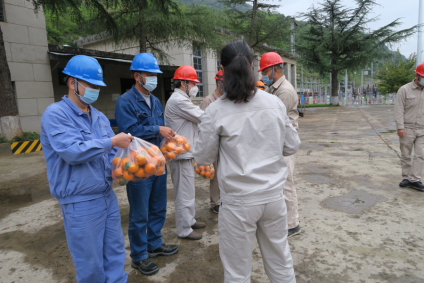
(183, 116)
(251, 132)
(215, 201)
(140, 113)
(271, 68)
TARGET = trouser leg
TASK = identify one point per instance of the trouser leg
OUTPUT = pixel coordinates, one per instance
(272, 239)
(157, 212)
(139, 198)
(85, 224)
(418, 163)
(182, 175)
(214, 189)
(237, 228)
(114, 245)
(290, 194)
(406, 145)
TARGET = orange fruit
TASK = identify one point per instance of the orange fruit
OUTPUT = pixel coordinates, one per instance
(208, 175)
(202, 173)
(187, 146)
(150, 168)
(118, 172)
(180, 140)
(164, 149)
(197, 170)
(141, 159)
(128, 176)
(122, 181)
(133, 168)
(116, 161)
(179, 150)
(140, 173)
(202, 168)
(155, 149)
(212, 176)
(160, 170)
(124, 161)
(171, 155)
(207, 169)
(133, 155)
(171, 146)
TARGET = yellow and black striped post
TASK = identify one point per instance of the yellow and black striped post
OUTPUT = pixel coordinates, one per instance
(26, 146)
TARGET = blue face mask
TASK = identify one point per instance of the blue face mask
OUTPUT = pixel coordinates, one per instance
(266, 80)
(422, 81)
(151, 83)
(90, 96)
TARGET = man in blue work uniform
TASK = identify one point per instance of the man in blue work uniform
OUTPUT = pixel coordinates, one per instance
(140, 113)
(79, 145)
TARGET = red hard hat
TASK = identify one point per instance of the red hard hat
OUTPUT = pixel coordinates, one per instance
(420, 70)
(186, 73)
(270, 59)
(220, 75)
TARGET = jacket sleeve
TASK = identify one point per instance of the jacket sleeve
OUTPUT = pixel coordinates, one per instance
(127, 120)
(67, 141)
(290, 101)
(291, 137)
(189, 111)
(400, 108)
(205, 103)
(111, 134)
(207, 143)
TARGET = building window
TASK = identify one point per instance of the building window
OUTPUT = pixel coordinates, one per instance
(198, 65)
(1, 11)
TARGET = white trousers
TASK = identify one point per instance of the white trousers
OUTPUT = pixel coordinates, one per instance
(182, 175)
(290, 194)
(238, 227)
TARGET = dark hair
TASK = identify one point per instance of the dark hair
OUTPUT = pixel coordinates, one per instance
(177, 83)
(239, 80)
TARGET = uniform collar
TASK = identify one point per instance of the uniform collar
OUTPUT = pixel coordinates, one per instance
(137, 94)
(278, 82)
(414, 85)
(73, 106)
(182, 92)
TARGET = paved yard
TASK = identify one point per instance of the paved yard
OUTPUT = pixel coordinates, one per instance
(359, 226)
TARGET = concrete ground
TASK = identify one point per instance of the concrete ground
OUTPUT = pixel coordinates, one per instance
(358, 225)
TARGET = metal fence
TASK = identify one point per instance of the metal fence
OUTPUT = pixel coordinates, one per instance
(355, 100)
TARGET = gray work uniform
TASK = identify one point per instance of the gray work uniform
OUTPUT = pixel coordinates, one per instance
(213, 184)
(409, 115)
(251, 139)
(182, 116)
(283, 89)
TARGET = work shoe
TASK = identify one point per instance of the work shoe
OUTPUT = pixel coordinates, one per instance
(145, 266)
(215, 208)
(294, 231)
(198, 225)
(164, 250)
(404, 183)
(193, 236)
(416, 185)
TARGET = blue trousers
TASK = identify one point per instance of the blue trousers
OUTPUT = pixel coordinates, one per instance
(95, 239)
(147, 199)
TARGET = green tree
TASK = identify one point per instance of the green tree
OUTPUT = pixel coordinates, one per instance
(337, 38)
(395, 73)
(262, 28)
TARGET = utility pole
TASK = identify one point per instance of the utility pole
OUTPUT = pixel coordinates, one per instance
(420, 33)
(346, 94)
(372, 73)
(293, 37)
(362, 81)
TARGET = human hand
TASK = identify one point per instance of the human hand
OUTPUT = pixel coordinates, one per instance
(122, 140)
(401, 133)
(166, 132)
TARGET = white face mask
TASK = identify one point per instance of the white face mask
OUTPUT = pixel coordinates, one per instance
(193, 91)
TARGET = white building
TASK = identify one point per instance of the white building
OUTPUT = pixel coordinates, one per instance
(25, 39)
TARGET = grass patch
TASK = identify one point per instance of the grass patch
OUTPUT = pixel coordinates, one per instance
(317, 105)
(28, 136)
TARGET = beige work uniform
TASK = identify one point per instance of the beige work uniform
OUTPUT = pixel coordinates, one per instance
(182, 116)
(409, 115)
(285, 91)
(213, 185)
(251, 175)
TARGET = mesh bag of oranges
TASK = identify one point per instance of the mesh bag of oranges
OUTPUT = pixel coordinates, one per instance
(174, 146)
(139, 161)
(207, 172)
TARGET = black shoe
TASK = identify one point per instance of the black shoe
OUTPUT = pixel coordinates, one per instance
(145, 266)
(294, 231)
(404, 183)
(215, 208)
(416, 185)
(164, 250)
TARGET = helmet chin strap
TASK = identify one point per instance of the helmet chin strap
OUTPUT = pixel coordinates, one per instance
(186, 91)
(77, 93)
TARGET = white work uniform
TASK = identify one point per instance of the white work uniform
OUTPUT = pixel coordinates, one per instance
(182, 116)
(252, 139)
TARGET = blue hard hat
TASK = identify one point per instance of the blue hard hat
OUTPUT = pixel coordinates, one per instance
(145, 62)
(85, 68)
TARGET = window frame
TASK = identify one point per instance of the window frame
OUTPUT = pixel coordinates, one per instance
(200, 72)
